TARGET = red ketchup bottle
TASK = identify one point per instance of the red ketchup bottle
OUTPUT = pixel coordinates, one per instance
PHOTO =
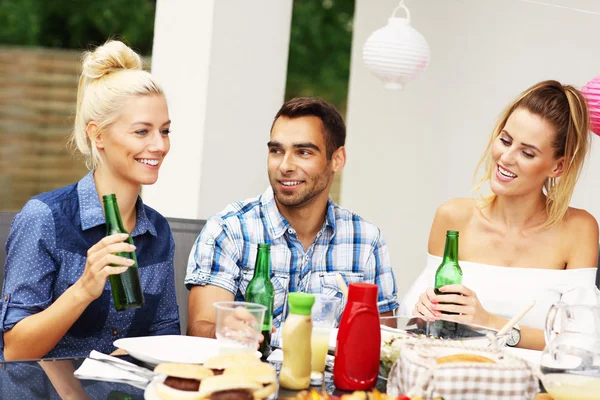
(359, 340)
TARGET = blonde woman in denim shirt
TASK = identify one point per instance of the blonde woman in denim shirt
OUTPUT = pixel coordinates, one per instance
(56, 300)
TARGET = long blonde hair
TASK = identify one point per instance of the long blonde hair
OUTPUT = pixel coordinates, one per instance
(565, 109)
(110, 75)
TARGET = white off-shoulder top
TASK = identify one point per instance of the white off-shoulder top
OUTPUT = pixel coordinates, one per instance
(504, 291)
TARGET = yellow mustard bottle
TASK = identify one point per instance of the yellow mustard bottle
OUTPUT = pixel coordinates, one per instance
(297, 331)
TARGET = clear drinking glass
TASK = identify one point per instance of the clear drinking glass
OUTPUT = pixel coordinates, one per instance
(324, 316)
(238, 326)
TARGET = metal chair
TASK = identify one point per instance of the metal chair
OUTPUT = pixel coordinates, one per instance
(185, 232)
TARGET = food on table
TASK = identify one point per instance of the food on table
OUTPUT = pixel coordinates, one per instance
(390, 351)
(229, 387)
(416, 398)
(356, 395)
(249, 379)
(219, 363)
(464, 357)
(263, 373)
(312, 395)
(372, 395)
(182, 381)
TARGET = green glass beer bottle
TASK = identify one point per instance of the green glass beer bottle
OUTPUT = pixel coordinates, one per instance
(260, 290)
(449, 272)
(126, 288)
(118, 395)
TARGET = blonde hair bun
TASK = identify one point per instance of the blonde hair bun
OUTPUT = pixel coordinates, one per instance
(108, 58)
(111, 74)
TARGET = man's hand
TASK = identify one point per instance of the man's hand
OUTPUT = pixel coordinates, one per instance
(201, 312)
(239, 325)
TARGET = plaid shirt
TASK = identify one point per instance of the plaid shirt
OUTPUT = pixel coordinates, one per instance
(225, 253)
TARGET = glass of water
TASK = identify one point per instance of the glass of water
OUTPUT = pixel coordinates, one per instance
(238, 326)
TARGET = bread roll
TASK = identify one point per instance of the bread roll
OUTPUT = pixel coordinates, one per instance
(464, 357)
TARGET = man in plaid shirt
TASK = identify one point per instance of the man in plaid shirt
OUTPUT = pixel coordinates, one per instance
(312, 239)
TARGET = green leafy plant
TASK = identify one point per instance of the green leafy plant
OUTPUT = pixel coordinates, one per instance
(76, 24)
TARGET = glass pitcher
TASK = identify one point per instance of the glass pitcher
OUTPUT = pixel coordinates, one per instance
(571, 359)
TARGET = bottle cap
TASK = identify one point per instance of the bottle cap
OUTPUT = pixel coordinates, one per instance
(264, 246)
(300, 303)
(362, 292)
(452, 233)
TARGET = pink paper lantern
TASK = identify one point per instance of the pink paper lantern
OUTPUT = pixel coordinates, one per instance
(591, 92)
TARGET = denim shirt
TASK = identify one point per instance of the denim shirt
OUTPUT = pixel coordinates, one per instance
(46, 253)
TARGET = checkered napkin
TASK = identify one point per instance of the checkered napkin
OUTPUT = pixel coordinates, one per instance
(416, 373)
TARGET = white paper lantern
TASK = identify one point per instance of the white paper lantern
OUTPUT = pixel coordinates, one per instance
(396, 53)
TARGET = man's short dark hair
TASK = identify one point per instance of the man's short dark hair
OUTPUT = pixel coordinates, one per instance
(333, 124)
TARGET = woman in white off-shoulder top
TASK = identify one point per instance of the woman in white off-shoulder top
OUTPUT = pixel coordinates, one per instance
(523, 242)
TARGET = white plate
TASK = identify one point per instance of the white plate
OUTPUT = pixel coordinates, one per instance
(171, 348)
(387, 333)
(532, 356)
(150, 392)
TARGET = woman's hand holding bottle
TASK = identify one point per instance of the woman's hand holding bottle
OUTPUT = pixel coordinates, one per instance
(463, 302)
(99, 264)
(425, 306)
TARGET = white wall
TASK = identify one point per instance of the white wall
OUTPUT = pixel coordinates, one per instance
(223, 67)
(409, 151)
(246, 89)
(181, 63)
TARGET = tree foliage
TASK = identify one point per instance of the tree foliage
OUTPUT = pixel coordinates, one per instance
(320, 41)
(76, 24)
(320, 46)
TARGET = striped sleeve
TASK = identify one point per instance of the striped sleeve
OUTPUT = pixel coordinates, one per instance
(384, 276)
(213, 259)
